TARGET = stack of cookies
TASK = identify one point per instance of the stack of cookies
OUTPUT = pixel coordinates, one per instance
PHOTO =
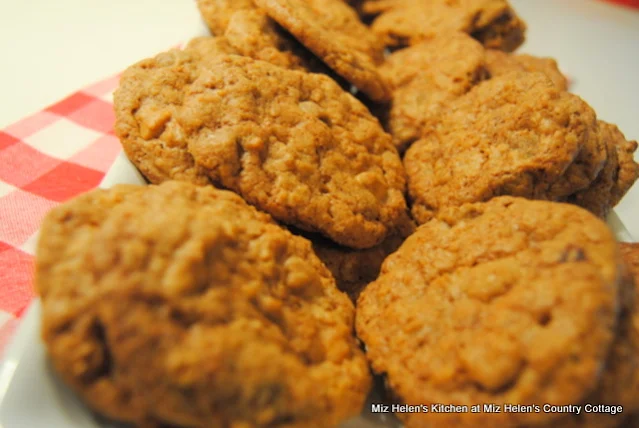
(289, 154)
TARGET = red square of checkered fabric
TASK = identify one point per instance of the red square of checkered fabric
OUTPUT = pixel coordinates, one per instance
(7, 140)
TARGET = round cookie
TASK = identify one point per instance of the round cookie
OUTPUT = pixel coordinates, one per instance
(508, 301)
(332, 30)
(145, 105)
(151, 92)
(181, 305)
(297, 146)
(516, 135)
(405, 22)
(425, 78)
(498, 63)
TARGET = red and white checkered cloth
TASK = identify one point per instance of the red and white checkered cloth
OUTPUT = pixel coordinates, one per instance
(45, 159)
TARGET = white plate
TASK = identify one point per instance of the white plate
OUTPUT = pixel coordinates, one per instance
(32, 397)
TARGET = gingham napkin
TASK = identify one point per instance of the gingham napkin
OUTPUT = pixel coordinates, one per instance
(45, 159)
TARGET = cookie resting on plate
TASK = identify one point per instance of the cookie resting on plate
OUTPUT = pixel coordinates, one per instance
(297, 146)
(152, 90)
(509, 301)
(515, 134)
(181, 305)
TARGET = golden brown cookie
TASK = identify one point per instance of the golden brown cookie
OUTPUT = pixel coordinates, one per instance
(355, 269)
(297, 146)
(145, 104)
(515, 134)
(405, 22)
(152, 90)
(218, 13)
(332, 30)
(183, 305)
(509, 301)
(498, 63)
(425, 78)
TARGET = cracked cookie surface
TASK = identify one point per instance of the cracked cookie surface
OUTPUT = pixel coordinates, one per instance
(527, 316)
(298, 147)
(152, 91)
(515, 135)
(182, 305)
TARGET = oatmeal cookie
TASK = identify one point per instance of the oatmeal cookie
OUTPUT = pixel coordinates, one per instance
(516, 135)
(498, 63)
(404, 22)
(297, 146)
(332, 30)
(151, 91)
(184, 306)
(425, 78)
(145, 104)
(525, 317)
